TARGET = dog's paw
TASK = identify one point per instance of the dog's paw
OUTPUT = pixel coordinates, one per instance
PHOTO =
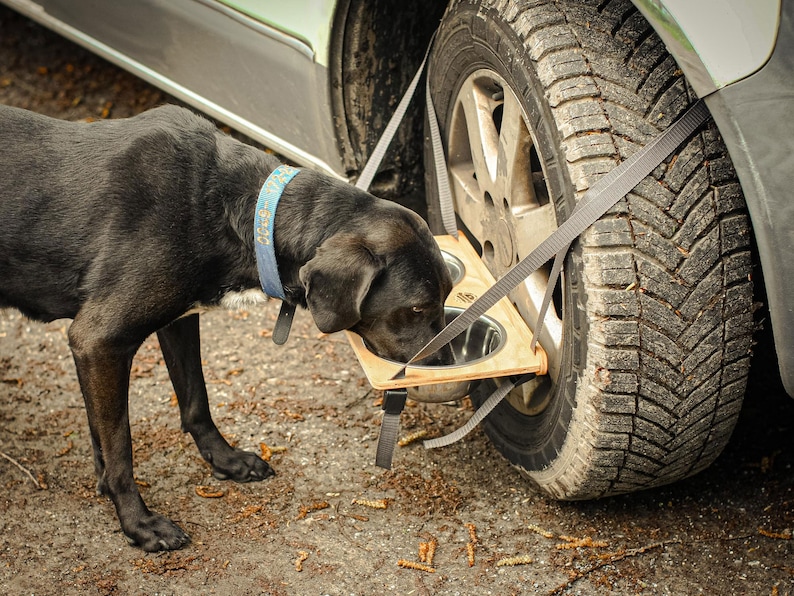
(241, 466)
(155, 533)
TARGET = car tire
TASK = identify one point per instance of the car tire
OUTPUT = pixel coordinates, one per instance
(650, 331)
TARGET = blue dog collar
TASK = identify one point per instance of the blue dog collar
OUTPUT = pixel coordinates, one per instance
(264, 221)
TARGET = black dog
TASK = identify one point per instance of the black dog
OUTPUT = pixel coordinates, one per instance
(129, 226)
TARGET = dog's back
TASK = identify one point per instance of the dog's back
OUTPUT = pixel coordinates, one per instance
(74, 197)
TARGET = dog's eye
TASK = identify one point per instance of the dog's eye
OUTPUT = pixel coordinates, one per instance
(417, 309)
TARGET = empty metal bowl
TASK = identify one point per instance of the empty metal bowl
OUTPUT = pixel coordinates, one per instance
(456, 267)
(481, 340)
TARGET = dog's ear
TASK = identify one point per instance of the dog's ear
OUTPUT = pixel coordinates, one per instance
(337, 280)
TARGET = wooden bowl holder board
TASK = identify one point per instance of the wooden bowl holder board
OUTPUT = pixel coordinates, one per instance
(513, 358)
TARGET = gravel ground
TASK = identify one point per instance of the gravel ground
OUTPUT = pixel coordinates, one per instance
(312, 529)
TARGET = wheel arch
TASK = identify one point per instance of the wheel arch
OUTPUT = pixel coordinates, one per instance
(375, 50)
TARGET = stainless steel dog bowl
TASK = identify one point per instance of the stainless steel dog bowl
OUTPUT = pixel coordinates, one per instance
(481, 340)
(457, 270)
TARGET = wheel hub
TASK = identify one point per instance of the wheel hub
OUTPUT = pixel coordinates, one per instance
(499, 247)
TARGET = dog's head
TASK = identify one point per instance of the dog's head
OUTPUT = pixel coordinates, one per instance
(386, 281)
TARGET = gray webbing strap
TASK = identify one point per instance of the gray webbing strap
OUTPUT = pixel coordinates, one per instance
(497, 396)
(446, 205)
(393, 404)
(554, 276)
(596, 201)
(387, 439)
(598, 187)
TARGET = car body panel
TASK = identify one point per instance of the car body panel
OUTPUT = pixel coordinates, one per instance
(254, 77)
(716, 42)
(308, 20)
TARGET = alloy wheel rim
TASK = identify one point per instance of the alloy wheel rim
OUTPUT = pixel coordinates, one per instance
(502, 197)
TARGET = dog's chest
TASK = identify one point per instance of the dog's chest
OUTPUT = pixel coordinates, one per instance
(233, 301)
(244, 299)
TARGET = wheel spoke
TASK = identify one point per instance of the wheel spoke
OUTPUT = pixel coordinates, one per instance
(467, 161)
(532, 226)
(468, 198)
(514, 174)
(481, 131)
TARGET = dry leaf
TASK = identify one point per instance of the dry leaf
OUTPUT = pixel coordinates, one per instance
(209, 492)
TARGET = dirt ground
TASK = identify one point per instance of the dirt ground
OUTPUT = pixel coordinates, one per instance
(313, 528)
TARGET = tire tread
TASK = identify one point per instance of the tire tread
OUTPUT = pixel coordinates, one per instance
(682, 260)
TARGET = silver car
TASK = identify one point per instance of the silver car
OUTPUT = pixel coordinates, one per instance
(649, 338)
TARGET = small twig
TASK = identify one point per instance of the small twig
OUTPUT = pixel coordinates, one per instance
(372, 504)
(418, 566)
(470, 545)
(609, 560)
(358, 400)
(302, 556)
(339, 516)
(23, 468)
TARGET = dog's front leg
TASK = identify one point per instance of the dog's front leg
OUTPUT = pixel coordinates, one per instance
(103, 368)
(182, 352)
